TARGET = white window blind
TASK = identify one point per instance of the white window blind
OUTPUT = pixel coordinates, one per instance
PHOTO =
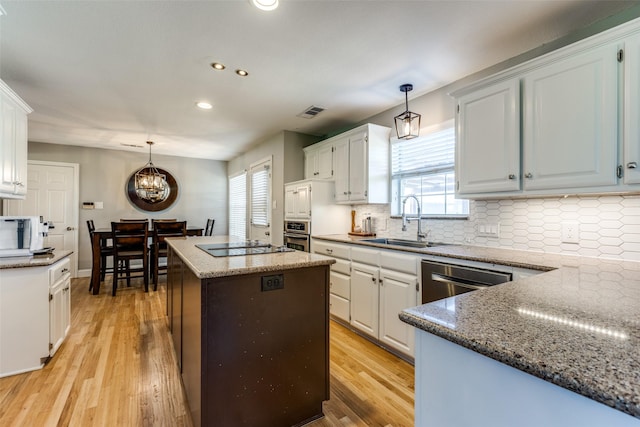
(428, 154)
(260, 196)
(424, 167)
(238, 205)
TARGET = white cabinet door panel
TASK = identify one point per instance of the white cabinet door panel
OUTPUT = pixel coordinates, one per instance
(397, 292)
(339, 307)
(631, 141)
(570, 122)
(488, 147)
(364, 298)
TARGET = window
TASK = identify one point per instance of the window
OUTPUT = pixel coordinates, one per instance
(424, 167)
(260, 185)
(238, 205)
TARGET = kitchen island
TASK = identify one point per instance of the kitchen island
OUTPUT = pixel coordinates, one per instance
(250, 333)
(560, 348)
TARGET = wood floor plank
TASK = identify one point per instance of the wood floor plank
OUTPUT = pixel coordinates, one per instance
(117, 367)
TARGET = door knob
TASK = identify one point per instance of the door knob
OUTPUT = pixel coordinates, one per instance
(70, 228)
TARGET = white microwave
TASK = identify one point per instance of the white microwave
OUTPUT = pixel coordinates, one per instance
(21, 235)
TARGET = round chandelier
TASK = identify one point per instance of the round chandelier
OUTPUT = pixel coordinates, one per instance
(150, 185)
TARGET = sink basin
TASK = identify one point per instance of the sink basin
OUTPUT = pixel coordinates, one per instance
(403, 242)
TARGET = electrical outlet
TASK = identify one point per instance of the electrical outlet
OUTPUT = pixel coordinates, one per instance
(489, 229)
(570, 232)
(272, 282)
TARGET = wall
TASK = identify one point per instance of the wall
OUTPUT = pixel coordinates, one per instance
(288, 165)
(103, 177)
(609, 226)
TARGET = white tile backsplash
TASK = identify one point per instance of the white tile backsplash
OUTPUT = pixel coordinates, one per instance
(608, 226)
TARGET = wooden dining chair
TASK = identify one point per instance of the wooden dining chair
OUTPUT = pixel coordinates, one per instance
(129, 244)
(134, 220)
(161, 231)
(106, 250)
(208, 231)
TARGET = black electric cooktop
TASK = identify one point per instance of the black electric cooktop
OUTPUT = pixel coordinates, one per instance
(248, 247)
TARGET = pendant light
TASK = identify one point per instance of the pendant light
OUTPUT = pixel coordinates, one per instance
(407, 123)
(151, 186)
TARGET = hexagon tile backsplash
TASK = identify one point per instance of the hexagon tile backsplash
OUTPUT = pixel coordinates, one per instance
(604, 226)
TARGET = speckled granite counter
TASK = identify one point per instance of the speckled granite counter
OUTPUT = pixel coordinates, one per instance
(34, 261)
(577, 326)
(205, 266)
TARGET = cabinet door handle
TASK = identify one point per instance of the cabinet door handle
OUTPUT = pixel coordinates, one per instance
(373, 279)
(632, 165)
(345, 193)
(380, 281)
(529, 175)
(512, 176)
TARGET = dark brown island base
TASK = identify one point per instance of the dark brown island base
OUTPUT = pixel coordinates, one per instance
(251, 334)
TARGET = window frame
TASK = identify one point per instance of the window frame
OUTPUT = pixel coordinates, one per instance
(396, 180)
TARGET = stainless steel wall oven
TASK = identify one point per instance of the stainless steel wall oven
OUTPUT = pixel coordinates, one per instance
(297, 235)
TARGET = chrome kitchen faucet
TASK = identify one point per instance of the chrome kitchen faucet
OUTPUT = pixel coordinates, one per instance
(405, 219)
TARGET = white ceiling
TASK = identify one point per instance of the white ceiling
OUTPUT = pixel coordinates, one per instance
(108, 73)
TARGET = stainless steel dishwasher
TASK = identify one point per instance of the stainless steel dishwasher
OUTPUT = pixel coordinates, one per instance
(441, 280)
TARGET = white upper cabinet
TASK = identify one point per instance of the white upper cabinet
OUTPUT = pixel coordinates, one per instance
(570, 122)
(13, 150)
(297, 201)
(630, 165)
(489, 134)
(318, 161)
(361, 165)
(552, 125)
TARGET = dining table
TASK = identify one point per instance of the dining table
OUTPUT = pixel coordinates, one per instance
(101, 234)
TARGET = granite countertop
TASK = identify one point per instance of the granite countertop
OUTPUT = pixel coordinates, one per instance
(205, 265)
(577, 325)
(33, 261)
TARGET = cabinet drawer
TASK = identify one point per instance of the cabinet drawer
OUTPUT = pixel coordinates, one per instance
(399, 262)
(340, 284)
(365, 256)
(336, 251)
(59, 270)
(341, 266)
(339, 307)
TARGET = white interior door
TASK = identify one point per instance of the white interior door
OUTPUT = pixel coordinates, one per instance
(260, 200)
(52, 192)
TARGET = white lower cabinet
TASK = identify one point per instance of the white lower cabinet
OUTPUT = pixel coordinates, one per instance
(398, 291)
(59, 305)
(34, 315)
(365, 296)
(383, 283)
(368, 290)
(339, 278)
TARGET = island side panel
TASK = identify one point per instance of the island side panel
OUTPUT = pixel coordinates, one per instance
(174, 302)
(266, 355)
(191, 312)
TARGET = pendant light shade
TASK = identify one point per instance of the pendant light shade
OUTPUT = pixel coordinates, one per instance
(151, 186)
(407, 123)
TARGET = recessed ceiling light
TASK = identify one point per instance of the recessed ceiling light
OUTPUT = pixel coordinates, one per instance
(204, 105)
(265, 4)
(218, 66)
(242, 73)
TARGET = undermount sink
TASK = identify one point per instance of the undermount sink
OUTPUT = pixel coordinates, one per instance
(403, 242)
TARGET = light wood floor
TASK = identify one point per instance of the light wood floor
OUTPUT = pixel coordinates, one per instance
(117, 368)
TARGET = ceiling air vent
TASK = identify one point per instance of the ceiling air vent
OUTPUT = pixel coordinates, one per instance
(311, 112)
